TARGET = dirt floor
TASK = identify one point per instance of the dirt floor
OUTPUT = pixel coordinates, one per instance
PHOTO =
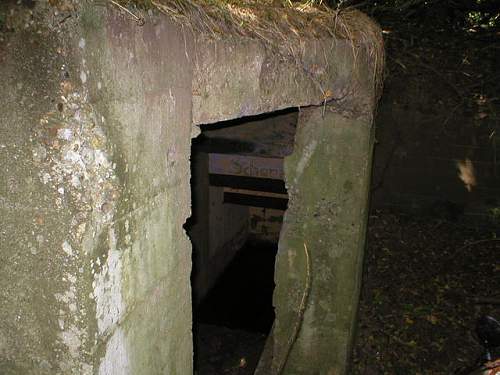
(426, 281)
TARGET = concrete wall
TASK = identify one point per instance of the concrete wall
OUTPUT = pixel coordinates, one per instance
(244, 78)
(217, 229)
(140, 83)
(328, 180)
(47, 320)
(95, 149)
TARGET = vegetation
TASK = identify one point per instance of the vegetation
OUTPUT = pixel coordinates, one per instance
(464, 14)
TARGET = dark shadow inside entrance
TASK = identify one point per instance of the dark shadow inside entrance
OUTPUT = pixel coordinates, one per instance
(239, 199)
(242, 296)
(233, 321)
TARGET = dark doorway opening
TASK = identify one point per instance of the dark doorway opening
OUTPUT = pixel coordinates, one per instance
(233, 321)
(239, 199)
(248, 281)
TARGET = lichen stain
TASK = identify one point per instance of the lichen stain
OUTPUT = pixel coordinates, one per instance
(107, 287)
(71, 336)
(348, 186)
(70, 149)
(305, 157)
(307, 336)
(116, 359)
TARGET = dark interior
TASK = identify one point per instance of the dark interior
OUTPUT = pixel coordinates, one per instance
(232, 321)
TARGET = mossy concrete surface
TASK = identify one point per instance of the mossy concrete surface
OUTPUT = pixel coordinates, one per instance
(95, 141)
(46, 314)
(139, 80)
(328, 185)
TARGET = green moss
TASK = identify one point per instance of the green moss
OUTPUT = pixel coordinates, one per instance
(328, 177)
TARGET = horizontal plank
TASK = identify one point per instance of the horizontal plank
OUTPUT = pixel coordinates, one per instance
(248, 183)
(256, 201)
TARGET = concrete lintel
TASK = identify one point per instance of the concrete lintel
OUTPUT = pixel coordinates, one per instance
(241, 77)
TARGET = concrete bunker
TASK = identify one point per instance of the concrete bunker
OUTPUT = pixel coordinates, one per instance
(96, 147)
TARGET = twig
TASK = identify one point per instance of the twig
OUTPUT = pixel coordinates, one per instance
(140, 21)
(300, 313)
(477, 243)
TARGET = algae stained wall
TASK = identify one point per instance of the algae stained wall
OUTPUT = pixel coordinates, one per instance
(141, 86)
(45, 314)
(328, 178)
(95, 147)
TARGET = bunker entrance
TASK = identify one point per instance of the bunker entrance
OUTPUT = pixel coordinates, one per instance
(238, 202)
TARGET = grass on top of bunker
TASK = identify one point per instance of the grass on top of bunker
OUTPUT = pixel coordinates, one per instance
(425, 282)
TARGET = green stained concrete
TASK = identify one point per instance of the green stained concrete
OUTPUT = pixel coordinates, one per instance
(95, 149)
(140, 83)
(328, 183)
(238, 79)
(45, 310)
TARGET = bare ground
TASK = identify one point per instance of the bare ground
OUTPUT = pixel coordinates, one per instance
(423, 283)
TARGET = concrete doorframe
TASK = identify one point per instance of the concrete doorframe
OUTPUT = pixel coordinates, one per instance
(327, 178)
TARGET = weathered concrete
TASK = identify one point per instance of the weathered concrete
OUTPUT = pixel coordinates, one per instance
(95, 146)
(328, 184)
(140, 82)
(48, 192)
(95, 149)
(237, 78)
